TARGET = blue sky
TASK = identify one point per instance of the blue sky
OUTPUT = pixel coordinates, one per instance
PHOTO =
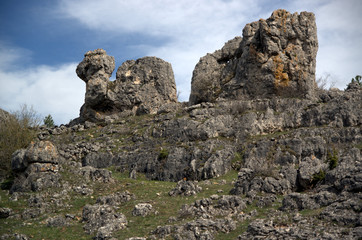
(41, 42)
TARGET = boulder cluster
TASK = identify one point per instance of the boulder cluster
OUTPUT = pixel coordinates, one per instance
(275, 57)
(143, 86)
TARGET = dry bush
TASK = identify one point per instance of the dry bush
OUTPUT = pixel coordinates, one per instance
(17, 130)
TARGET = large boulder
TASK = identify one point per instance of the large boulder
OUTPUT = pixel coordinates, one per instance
(95, 70)
(276, 56)
(36, 167)
(144, 85)
(102, 220)
(141, 87)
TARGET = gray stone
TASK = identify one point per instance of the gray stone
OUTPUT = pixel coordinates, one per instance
(346, 213)
(142, 209)
(94, 174)
(197, 229)
(18, 161)
(226, 205)
(297, 201)
(5, 212)
(98, 160)
(95, 62)
(57, 221)
(42, 152)
(209, 74)
(102, 220)
(15, 236)
(185, 188)
(307, 170)
(259, 181)
(83, 190)
(116, 198)
(152, 79)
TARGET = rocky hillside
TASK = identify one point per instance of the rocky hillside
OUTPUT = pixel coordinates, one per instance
(259, 152)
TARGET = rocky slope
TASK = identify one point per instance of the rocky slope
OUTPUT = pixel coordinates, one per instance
(247, 158)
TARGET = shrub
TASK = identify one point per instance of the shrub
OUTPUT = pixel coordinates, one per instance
(163, 154)
(332, 158)
(48, 121)
(17, 130)
(320, 176)
(237, 161)
(357, 79)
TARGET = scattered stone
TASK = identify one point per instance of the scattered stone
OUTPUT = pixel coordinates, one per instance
(198, 229)
(142, 209)
(226, 205)
(102, 220)
(83, 190)
(5, 212)
(250, 181)
(57, 221)
(95, 174)
(185, 188)
(15, 236)
(116, 198)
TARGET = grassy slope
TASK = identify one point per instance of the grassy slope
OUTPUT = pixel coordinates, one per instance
(154, 192)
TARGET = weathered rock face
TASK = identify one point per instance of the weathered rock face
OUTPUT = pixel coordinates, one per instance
(213, 71)
(103, 220)
(147, 84)
(95, 70)
(141, 86)
(36, 167)
(276, 56)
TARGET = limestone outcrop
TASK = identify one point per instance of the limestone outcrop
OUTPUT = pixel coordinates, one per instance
(276, 56)
(36, 167)
(260, 167)
(141, 87)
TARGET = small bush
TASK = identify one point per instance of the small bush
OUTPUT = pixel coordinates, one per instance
(48, 121)
(357, 79)
(320, 176)
(332, 158)
(237, 161)
(163, 154)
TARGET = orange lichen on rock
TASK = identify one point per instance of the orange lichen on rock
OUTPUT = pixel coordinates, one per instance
(282, 16)
(281, 77)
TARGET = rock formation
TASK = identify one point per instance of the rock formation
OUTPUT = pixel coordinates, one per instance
(276, 56)
(141, 87)
(36, 167)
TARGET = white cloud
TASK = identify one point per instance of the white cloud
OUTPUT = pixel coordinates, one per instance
(50, 90)
(193, 28)
(339, 37)
(189, 28)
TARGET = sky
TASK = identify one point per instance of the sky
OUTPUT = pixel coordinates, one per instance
(42, 42)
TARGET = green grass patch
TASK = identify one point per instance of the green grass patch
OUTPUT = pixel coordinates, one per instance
(153, 192)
